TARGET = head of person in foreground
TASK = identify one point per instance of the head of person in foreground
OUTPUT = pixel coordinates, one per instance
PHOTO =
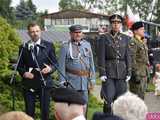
(130, 107)
(15, 115)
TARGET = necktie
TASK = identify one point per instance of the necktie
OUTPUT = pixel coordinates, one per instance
(35, 50)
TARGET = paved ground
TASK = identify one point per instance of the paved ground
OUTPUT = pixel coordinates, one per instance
(152, 101)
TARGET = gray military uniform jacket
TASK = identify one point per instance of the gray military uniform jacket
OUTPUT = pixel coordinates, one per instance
(114, 56)
(76, 57)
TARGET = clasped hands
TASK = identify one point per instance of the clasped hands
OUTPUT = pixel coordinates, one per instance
(44, 71)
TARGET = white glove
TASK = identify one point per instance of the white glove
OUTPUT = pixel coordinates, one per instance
(128, 78)
(103, 78)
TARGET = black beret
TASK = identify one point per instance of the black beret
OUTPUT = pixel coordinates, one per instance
(115, 17)
(74, 28)
(137, 25)
(67, 95)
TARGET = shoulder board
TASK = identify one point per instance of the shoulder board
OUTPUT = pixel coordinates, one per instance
(122, 33)
(132, 42)
(65, 42)
(128, 36)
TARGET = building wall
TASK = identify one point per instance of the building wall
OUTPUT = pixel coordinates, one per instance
(88, 23)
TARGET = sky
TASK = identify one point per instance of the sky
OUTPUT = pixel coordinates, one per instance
(42, 5)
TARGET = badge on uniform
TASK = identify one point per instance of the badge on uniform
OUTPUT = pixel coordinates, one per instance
(86, 52)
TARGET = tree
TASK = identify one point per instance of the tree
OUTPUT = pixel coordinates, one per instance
(26, 10)
(32, 6)
(23, 11)
(6, 11)
(113, 6)
(143, 7)
(70, 4)
(156, 15)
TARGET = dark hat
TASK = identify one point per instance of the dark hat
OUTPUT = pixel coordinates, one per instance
(105, 116)
(67, 95)
(115, 17)
(137, 25)
(75, 28)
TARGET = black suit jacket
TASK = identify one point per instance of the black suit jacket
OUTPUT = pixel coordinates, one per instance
(27, 61)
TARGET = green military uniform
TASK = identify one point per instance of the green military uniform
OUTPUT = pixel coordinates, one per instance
(139, 50)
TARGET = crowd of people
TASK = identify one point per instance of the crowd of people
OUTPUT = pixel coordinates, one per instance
(122, 62)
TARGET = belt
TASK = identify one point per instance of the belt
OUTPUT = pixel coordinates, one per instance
(78, 72)
(115, 59)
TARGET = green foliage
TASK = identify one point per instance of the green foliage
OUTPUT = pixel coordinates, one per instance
(94, 106)
(25, 10)
(25, 13)
(32, 6)
(150, 87)
(9, 42)
(6, 11)
(156, 12)
(143, 7)
(70, 4)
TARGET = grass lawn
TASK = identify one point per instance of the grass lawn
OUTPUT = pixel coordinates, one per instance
(92, 110)
(94, 106)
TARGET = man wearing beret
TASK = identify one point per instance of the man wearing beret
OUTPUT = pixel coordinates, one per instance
(140, 60)
(114, 63)
(76, 62)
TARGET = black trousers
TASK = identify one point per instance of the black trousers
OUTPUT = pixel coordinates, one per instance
(30, 98)
(111, 89)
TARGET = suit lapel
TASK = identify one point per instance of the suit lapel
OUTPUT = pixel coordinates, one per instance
(40, 52)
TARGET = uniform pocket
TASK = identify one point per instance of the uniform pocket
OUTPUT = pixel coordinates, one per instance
(87, 52)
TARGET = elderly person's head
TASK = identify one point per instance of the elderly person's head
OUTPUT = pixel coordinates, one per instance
(65, 111)
(69, 104)
(130, 107)
(15, 115)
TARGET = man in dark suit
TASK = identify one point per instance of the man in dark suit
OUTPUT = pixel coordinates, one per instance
(114, 62)
(35, 67)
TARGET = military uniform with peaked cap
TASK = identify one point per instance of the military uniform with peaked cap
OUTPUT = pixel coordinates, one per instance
(76, 63)
(75, 28)
(140, 62)
(115, 17)
(114, 63)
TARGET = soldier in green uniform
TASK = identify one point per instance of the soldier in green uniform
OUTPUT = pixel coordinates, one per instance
(139, 53)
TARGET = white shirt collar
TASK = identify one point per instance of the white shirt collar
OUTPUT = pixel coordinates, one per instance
(38, 42)
(35, 43)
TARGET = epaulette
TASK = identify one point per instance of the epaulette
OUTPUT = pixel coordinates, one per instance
(124, 34)
(132, 42)
(65, 42)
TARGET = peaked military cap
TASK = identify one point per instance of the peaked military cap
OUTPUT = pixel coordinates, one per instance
(115, 17)
(75, 28)
(137, 25)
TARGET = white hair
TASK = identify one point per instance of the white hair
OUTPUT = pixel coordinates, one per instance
(130, 107)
